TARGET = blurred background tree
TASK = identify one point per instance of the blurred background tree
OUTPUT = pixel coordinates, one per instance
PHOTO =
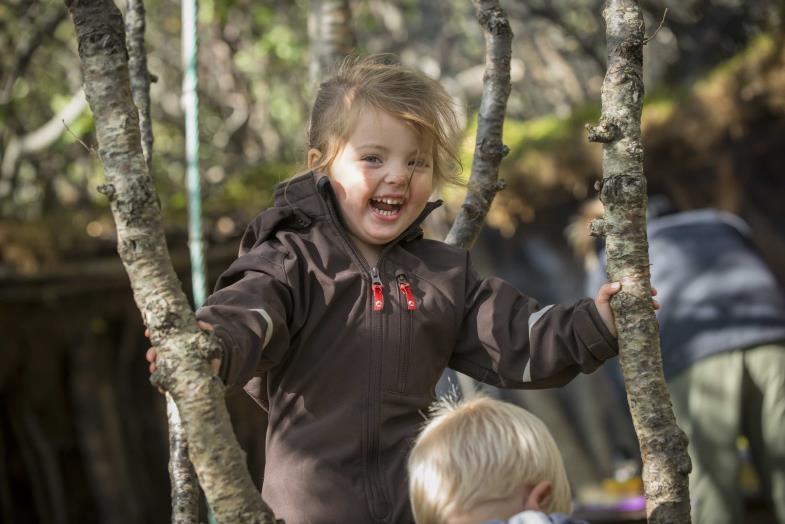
(82, 433)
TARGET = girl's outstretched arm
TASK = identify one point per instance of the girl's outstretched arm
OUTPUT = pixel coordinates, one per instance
(507, 339)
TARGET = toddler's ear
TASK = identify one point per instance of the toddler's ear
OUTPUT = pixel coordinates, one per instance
(537, 496)
(313, 157)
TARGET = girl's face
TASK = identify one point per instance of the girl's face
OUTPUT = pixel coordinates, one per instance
(383, 177)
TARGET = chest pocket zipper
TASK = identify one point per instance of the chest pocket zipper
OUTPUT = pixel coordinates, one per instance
(407, 309)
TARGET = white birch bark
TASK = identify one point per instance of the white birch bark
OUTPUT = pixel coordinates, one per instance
(183, 349)
(663, 445)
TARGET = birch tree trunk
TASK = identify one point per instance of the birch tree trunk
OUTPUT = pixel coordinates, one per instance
(489, 150)
(184, 486)
(663, 445)
(330, 36)
(183, 349)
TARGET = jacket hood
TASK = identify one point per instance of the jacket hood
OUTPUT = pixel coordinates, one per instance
(301, 200)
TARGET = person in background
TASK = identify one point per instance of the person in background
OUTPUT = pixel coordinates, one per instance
(722, 327)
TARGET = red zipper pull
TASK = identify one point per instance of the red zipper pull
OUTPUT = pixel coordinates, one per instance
(406, 289)
(378, 290)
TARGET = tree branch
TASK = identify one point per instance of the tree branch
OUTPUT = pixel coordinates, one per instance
(489, 148)
(183, 349)
(38, 140)
(331, 36)
(184, 485)
(663, 445)
(140, 76)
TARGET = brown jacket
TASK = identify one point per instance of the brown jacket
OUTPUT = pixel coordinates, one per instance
(348, 355)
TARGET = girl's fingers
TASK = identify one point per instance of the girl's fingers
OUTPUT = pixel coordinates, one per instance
(151, 355)
(609, 289)
(152, 367)
(606, 291)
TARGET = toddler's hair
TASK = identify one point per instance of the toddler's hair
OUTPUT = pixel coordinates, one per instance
(376, 83)
(479, 451)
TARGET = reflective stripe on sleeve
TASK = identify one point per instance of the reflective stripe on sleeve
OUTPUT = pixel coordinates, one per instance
(533, 318)
(268, 333)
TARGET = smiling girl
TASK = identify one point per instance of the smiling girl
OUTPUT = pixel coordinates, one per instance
(339, 317)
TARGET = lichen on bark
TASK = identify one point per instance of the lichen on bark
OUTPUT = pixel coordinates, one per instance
(663, 445)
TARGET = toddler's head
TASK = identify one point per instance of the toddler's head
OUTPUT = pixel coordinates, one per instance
(374, 83)
(482, 460)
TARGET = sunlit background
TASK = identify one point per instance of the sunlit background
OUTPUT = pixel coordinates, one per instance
(83, 435)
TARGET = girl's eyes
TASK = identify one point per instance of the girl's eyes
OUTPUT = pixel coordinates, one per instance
(376, 159)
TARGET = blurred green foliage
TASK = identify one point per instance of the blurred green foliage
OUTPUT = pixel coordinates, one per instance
(255, 97)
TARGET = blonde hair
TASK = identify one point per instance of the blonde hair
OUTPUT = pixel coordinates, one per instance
(377, 83)
(481, 450)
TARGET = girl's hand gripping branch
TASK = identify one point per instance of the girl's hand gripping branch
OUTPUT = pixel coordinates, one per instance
(603, 303)
(152, 353)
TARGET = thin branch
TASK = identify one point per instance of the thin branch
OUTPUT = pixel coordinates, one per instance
(140, 76)
(40, 139)
(662, 22)
(89, 149)
(489, 149)
(184, 485)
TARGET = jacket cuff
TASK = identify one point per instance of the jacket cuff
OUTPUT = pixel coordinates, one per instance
(228, 346)
(591, 329)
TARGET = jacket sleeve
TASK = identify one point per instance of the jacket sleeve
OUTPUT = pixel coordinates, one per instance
(506, 339)
(251, 312)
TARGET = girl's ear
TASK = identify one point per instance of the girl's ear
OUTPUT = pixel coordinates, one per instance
(313, 157)
(537, 496)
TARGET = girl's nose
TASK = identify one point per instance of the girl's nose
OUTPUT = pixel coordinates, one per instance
(397, 174)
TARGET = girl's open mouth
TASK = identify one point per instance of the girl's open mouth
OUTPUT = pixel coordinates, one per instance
(386, 207)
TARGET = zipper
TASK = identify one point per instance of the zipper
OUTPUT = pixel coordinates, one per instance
(406, 289)
(407, 309)
(378, 290)
(378, 503)
(378, 500)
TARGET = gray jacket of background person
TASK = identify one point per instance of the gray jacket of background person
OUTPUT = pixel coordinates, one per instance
(716, 292)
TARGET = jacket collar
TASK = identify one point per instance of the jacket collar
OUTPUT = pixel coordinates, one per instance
(310, 194)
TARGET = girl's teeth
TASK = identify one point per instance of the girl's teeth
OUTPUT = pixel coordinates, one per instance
(390, 201)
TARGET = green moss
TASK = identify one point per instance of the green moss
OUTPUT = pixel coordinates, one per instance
(530, 141)
(538, 135)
